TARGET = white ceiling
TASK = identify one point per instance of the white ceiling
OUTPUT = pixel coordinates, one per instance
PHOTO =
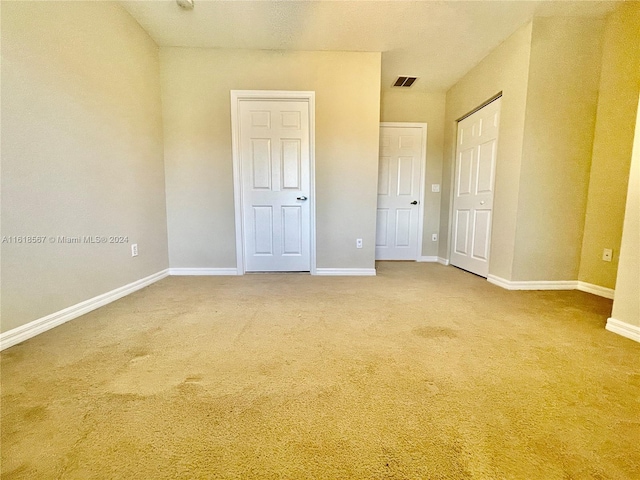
(438, 41)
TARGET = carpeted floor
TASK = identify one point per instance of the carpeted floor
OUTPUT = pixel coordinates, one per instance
(423, 372)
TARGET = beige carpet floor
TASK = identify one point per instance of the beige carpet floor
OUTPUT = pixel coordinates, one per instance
(423, 372)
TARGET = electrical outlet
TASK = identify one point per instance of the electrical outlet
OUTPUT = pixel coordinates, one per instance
(358, 243)
(134, 250)
(607, 254)
(434, 237)
(435, 187)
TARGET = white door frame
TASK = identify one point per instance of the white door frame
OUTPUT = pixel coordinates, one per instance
(236, 97)
(423, 170)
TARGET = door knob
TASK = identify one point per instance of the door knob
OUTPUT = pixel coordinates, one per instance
(415, 202)
(301, 197)
(482, 202)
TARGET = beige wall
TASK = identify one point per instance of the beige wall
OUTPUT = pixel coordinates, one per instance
(422, 107)
(626, 305)
(564, 74)
(81, 154)
(549, 74)
(619, 84)
(505, 70)
(196, 85)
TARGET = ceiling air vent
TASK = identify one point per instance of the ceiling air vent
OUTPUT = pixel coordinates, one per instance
(405, 81)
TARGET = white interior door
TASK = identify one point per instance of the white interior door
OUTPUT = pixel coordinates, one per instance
(400, 178)
(477, 146)
(274, 150)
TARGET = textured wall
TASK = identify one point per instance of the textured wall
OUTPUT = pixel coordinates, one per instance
(613, 141)
(626, 306)
(196, 85)
(562, 97)
(81, 154)
(505, 70)
(422, 107)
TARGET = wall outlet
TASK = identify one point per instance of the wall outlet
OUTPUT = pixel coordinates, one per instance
(134, 250)
(358, 243)
(434, 237)
(435, 187)
(607, 254)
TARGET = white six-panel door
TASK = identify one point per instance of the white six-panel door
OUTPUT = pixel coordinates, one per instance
(474, 183)
(400, 172)
(274, 152)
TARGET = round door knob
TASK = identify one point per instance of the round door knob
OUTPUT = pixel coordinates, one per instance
(482, 202)
(415, 202)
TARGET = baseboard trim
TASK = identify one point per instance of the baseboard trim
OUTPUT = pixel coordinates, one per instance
(41, 325)
(500, 282)
(533, 285)
(427, 259)
(346, 272)
(596, 290)
(552, 285)
(203, 271)
(443, 261)
(627, 330)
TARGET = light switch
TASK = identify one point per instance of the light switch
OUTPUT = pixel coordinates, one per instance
(435, 187)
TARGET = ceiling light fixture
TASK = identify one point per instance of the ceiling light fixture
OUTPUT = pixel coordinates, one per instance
(185, 4)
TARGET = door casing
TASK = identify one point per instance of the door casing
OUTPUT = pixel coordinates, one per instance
(236, 97)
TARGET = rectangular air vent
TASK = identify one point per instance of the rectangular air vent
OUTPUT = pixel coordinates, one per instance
(405, 81)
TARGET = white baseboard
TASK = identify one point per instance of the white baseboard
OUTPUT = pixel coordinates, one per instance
(359, 272)
(203, 271)
(625, 329)
(427, 259)
(552, 285)
(533, 285)
(596, 290)
(500, 282)
(31, 329)
(443, 261)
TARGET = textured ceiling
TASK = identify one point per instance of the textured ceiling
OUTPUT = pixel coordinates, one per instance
(438, 41)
